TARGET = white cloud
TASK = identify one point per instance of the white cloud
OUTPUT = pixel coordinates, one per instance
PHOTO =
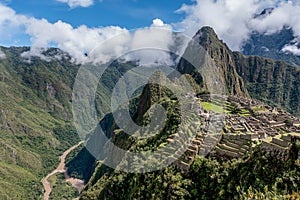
(149, 45)
(158, 22)
(157, 38)
(289, 48)
(76, 41)
(104, 43)
(286, 14)
(77, 3)
(233, 20)
(10, 22)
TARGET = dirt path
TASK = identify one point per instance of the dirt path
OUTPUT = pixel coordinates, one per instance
(61, 168)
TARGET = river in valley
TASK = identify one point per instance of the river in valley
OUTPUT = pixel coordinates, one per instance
(61, 168)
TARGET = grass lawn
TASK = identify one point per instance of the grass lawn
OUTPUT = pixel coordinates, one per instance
(213, 107)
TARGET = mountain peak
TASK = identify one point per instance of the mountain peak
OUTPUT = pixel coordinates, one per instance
(222, 61)
(206, 34)
(209, 40)
(206, 30)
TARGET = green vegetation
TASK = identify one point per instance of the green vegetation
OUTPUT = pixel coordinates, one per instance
(33, 104)
(273, 82)
(80, 164)
(35, 117)
(258, 174)
(18, 183)
(259, 109)
(61, 189)
(213, 107)
(36, 127)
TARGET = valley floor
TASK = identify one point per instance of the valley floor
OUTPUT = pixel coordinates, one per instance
(78, 184)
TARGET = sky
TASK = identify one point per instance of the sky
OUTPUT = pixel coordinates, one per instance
(80, 26)
(129, 14)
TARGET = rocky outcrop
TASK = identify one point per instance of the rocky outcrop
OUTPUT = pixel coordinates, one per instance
(274, 82)
(207, 56)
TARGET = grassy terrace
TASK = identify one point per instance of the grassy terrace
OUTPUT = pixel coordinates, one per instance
(244, 112)
(213, 107)
(226, 108)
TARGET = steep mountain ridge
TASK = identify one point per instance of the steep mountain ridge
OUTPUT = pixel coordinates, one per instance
(221, 56)
(274, 82)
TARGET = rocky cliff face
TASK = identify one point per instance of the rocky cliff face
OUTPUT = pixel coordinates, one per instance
(274, 82)
(206, 50)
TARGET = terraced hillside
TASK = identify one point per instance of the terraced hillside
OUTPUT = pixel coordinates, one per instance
(246, 126)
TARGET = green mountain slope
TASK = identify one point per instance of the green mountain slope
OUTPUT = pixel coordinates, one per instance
(274, 82)
(35, 113)
(36, 116)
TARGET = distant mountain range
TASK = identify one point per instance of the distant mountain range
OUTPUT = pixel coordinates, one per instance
(271, 45)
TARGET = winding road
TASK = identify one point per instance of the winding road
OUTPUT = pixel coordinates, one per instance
(61, 168)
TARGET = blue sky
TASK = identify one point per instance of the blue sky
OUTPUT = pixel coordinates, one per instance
(124, 13)
(129, 14)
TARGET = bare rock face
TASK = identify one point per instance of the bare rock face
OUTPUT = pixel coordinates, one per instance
(51, 90)
(206, 50)
(274, 82)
